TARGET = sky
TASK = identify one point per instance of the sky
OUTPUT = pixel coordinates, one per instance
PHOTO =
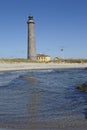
(59, 24)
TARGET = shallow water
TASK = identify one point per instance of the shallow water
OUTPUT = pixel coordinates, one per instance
(43, 99)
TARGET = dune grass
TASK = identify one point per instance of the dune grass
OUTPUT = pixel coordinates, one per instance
(71, 60)
(19, 60)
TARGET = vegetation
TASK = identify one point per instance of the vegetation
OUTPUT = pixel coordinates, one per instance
(59, 60)
(71, 60)
(18, 60)
(82, 87)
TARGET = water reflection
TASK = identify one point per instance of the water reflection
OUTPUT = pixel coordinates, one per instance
(34, 100)
(85, 113)
(84, 96)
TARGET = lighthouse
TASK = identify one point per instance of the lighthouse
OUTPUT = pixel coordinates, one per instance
(31, 51)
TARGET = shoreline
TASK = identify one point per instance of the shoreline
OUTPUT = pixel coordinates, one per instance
(36, 66)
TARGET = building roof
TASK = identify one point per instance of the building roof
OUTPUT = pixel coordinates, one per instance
(43, 55)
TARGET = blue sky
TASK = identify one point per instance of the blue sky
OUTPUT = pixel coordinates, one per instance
(59, 24)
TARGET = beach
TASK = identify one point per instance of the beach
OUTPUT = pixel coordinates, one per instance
(4, 66)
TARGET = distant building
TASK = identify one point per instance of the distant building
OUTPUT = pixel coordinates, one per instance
(57, 59)
(43, 58)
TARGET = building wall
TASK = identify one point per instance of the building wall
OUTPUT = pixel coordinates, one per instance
(43, 58)
(31, 40)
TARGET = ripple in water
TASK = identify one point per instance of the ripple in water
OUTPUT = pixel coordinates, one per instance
(43, 99)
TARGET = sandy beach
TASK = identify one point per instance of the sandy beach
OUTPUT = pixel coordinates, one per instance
(28, 66)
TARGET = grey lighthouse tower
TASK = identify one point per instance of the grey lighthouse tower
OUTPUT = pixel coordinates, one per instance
(31, 54)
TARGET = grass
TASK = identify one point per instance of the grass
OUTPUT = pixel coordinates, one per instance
(19, 60)
(71, 60)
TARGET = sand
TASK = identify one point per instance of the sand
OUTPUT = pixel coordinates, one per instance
(28, 66)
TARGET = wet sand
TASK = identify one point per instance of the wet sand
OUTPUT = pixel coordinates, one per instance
(50, 128)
